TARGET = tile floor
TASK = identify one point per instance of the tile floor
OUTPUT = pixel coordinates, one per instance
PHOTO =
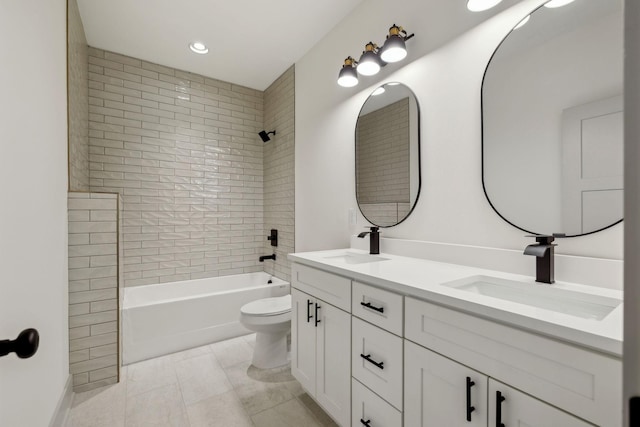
(213, 385)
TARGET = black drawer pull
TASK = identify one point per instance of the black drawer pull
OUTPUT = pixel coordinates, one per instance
(309, 316)
(365, 423)
(470, 408)
(373, 362)
(372, 307)
(317, 317)
(499, 399)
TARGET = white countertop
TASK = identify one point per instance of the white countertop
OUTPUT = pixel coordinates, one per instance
(423, 279)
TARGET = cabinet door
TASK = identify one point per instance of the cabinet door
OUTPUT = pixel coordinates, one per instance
(510, 407)
(303, 340)
(441, 392)
(333, 386)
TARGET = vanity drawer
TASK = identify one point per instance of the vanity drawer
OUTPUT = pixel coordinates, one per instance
(331, 288)
(377, 360)
(369, 408)
(377, 306)
(579, 381)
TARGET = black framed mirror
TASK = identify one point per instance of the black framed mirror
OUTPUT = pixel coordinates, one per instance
(552, 141)
(388, 155)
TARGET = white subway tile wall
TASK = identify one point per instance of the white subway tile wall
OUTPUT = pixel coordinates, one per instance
(279, 172)
(93, 289)
(183, 152)
(78, 88)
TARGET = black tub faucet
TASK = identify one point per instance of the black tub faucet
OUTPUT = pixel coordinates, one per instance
(543, 251)
(374, 240)
(263, 257)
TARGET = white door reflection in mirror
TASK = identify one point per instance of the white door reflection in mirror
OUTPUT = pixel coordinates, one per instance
(563, 58)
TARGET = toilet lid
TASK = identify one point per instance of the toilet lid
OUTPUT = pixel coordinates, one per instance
(268, 306)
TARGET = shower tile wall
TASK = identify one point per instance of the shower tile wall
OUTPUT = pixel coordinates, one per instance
(279, 172)
(93, 289)
(77, 72)
(183, 152)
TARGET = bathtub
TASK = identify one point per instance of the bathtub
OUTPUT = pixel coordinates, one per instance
(169, 317)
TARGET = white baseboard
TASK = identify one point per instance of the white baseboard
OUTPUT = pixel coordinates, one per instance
(60, 417)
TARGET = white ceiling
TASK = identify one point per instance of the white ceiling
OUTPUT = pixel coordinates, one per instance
(251, 42)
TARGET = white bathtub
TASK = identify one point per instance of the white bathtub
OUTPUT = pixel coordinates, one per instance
(169, 317)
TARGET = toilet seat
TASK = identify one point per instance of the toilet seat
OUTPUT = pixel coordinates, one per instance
(267, 306)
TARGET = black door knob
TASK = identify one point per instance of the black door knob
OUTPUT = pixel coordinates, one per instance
(24, 346)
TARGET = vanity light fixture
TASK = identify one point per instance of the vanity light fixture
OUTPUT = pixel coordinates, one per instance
(394, 48)
(481, 5)
(369, 63)
(198, 47)
(348, 76)
(265, 135)
(557, 3)
(521, 23)
(373, 57)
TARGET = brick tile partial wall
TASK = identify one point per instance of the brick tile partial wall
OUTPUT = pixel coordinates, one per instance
(279, 172)
(93, 289)
(78, 88)
(184, 153)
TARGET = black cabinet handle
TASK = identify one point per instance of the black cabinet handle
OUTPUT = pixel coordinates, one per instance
(24, 346)
(499, 399)
(365, 423)
(317, 317)
(368, 305)
(470, 408)
(309, 316)
(373, 362)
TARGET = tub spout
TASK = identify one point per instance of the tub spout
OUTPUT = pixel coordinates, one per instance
(263, 257)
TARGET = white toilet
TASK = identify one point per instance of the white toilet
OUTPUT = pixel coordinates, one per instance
(270, 318)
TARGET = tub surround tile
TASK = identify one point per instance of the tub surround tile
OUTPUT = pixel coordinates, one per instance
(93, 284)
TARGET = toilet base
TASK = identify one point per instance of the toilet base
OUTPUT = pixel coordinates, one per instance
(270, 350)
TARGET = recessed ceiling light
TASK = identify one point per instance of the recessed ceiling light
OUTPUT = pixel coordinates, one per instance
(480, 5)
(521, 23)
(378, 91)
(198, 47)
(557, 3)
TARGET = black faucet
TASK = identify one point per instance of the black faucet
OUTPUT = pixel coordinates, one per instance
(374, 240)
(263, 257)
(543, 251)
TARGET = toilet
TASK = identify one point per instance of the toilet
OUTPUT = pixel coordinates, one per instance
(270, 318)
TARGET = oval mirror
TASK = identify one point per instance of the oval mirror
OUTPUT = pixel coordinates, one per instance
(388, 155)
(552, 142)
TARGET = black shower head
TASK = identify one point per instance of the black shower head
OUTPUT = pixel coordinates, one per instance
(265, 135)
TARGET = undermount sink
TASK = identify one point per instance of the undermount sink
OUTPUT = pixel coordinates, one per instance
(353, 258)
(548, 297)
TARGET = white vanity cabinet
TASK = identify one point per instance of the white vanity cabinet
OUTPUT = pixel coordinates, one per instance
(439, 392)
(321, 340)
(584, 383)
